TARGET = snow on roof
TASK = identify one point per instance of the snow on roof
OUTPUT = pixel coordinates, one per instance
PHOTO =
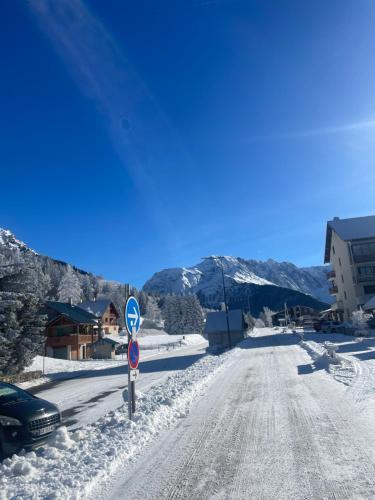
(370, 304)
(95, 307)
(71, 311)
(217, 322)
(355, 228)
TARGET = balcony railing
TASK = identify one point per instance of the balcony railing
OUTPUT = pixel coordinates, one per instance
(331, 275)
(333, 290)
(363, 278)
(364, 258)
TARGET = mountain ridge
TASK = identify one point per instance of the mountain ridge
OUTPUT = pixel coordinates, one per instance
(206, 276)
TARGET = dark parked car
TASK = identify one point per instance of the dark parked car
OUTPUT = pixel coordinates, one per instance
(25, 420)
(121, 349)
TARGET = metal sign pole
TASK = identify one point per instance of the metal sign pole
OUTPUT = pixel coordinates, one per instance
(132, 322)
(130, 386)
(133, 382)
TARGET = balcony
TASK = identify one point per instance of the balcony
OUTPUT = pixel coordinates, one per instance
(331, 275)
(70, 340)
(364, 278)
(358, 259)
(333, 290)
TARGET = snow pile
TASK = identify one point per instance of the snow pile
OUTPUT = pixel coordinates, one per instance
(73, 464)
(342, 368)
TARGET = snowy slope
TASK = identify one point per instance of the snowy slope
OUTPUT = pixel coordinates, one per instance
(207, 276)
(8, 240)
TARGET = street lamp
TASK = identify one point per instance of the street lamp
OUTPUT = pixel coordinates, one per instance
(220, 257)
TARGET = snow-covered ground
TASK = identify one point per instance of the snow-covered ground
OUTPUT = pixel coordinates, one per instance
(74, 463)
(355, 366)
(268, 419)
(152, 341)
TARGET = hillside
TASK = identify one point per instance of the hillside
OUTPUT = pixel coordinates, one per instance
(50, 273)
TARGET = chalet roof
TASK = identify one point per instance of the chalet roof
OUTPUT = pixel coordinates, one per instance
(217, 322)
(74, 313)
(356, 228)
(96, 307)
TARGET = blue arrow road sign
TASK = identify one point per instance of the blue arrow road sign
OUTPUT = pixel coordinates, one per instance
(132, 315)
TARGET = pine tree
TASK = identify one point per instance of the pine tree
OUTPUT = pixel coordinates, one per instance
(70, 287)
(21, 320)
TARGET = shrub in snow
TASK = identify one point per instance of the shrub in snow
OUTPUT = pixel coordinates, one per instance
(266, 316)
(259, 323)
(359, 322)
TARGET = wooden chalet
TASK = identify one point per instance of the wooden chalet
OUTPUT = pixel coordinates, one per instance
(70, 331)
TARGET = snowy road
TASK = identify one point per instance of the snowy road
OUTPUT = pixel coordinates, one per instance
(84, 399)
(272, 425)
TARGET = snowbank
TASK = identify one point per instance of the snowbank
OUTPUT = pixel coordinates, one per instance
(73, 464)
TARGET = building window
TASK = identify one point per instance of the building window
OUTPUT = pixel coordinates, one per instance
(348, 313)
(333, 249)
(366, 270)
(346, 298)
(342, 278)
(369, 289)
(339, 262)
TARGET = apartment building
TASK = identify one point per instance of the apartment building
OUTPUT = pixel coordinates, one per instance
(350, 249)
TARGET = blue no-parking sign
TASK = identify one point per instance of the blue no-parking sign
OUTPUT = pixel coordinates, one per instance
(133, 354)
(132, 315)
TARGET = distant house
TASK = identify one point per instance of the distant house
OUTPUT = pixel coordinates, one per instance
(300, 315)
(70, 331)
(105, 311)
(104, 348)
(216, 328)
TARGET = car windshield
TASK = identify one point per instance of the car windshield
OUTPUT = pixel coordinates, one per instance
(10, 393)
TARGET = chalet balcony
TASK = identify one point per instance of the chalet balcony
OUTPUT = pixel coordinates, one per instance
(333, 290)
(331, 275)
(65, 340)
(358, 259)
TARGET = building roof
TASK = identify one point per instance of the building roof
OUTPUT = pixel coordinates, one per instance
(356, 228)
(74, 313)
(217, 322)
(370, 304)
(95, 307)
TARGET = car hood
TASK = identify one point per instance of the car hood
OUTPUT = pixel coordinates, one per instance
(28, 409)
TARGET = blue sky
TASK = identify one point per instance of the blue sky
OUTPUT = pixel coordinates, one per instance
(139, 135)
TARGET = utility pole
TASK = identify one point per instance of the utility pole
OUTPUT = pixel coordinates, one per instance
(220, 257)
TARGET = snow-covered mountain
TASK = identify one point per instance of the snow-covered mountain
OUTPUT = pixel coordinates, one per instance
(206, 277)
(8, 240)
